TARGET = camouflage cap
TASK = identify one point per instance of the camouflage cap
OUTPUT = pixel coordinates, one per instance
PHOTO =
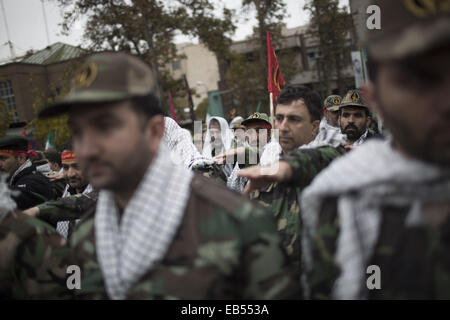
(257, 116)
(106, 77)
(332, 102)
(408, 28)
(353, 98)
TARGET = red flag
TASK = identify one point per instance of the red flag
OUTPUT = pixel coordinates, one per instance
(172, 109)
(275, 81)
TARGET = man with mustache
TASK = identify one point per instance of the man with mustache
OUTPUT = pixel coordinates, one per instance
(298, 116)
(354, 118)
(77, 183)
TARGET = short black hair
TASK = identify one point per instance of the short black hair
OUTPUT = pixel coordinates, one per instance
(148, 105)
(53, 157)
(67, 146)
(309, 96)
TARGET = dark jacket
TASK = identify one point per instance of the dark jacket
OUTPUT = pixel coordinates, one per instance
(34, 188)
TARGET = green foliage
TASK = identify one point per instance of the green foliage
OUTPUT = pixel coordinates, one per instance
(332, 26)
(202, 109)
(41, 127)
(147, 29)
(5, 118)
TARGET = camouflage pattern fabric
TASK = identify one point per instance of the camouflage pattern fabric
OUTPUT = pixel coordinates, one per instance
(67, 208)
(32, 259)
(225, 248)
(413, 261)
(282, 199)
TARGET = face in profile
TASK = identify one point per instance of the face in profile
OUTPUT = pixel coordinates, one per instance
(413, 99)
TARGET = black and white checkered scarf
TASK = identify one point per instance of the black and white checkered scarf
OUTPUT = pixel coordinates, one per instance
(129, 249)
(364, 181)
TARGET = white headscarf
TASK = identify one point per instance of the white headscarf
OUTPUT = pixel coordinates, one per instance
(227, 137)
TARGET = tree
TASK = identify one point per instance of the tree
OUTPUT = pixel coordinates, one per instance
(147, 29)
(247, 73)
(331, 26)
(58, 125)
(5, 118)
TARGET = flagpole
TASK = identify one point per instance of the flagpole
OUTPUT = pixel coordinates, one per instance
(271, 110)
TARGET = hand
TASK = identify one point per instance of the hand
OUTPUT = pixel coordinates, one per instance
(261, 176)
(34, 211)
(228, 156)
(56, 176)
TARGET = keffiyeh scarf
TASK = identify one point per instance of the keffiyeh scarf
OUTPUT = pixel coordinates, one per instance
(129, 249)
(63, 226)
(364, 181)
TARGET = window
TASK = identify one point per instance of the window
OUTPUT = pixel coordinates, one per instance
(176, 65)
(7, 95)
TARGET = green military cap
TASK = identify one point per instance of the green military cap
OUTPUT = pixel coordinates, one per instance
(353, 98)
(332, 102)
(408, 27)
(106, 77)
(14, 143)
(257, 116)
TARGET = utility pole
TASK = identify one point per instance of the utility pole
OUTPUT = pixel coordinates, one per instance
(11, 49)
(45, 21)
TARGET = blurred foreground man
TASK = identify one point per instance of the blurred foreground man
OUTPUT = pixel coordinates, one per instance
(378, 220)
(31, 254)
(159, 231)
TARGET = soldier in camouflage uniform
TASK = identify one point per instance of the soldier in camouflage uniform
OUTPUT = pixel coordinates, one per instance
(280, 197)
(31, 255)
(377, 221)
(159, 231)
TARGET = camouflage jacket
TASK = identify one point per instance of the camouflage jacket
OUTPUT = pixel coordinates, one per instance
(414, 261)
(282, 199)
(67, 208)
(32, 256)
(225, 248)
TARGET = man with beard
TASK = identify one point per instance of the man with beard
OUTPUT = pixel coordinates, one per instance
(33, 187)
(77, 183)
(158, 231)
(377, 221)
(354, 119)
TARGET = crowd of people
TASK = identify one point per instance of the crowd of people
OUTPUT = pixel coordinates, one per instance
(317, 203)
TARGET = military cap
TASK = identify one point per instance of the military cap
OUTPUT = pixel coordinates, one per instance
(408, 27)
(106, 77)
(353, 98)
(257, 116)
(236, 122)
(332, 102)
(15, 143)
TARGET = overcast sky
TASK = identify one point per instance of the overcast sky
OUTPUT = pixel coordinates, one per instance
(26, 26)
